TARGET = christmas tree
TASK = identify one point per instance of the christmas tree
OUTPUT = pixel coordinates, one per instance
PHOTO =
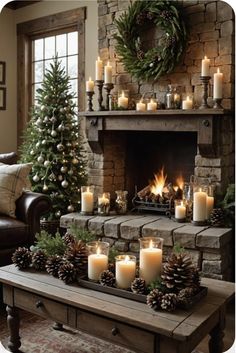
(53, 143)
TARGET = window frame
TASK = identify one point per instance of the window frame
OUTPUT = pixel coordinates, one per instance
(46, 26)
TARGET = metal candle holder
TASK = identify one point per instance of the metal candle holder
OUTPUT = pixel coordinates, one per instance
(99, 84)
(205, 81)
(90, 101)
(217, 103)
(108, 87)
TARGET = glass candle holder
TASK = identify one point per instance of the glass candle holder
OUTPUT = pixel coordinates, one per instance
(121, 202)
(187, 102)
(180, 210)
(152, 105)
(98, 252)
(200, 204)
(87, 200)
(125, 270)
(150, 258)
(123, 99)
(104, 204)
(209, 201)
(141, 106)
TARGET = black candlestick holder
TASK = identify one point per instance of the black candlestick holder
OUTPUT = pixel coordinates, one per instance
(99, 84)
(108, 87)
(217, 103)
(205, 81)
(90, 101)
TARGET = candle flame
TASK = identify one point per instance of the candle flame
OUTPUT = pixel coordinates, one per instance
(127, 258)
(108, 63)
(218, 70)
(188, 98)
(123, 94)
(205, 57)
(98, 58)
(181, 203)
(200, 190)
(151, 244)
(151, 101)
(98, 250)
(87, 188)
(90, 78)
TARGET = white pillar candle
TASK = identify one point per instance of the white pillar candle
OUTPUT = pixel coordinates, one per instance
(140, 106)
(199, 206)
(125, 272)
(150, 263)
(89, 85)
(96, 264)
(205, 67)
(108, 73)
(123, 101)
(209, 206)
(87, 201)
(180, 211)
(98, 69)
(188, 103)
(152, 105)
(217, 84)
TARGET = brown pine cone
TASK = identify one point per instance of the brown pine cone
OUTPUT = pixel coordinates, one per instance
(154, 299)
(77, 254)
(39, 259)
(169, 301)
(138, 286)
(107, 278)
(21, 258)
(53, 264)
(67, 273)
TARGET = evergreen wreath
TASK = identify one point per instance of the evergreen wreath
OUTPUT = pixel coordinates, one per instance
(158, 60)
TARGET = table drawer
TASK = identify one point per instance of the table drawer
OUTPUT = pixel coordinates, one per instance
(116, 332)
(40, 305)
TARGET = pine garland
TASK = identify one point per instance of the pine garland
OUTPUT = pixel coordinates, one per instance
(160, 59)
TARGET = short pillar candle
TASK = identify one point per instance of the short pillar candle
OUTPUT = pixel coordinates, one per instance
(152, 105)
(205, 67)
(125, 270)
(87, 199)
(97, 259)
(199, 205)
(180, 210)
(217, 85)
(150, 261)
(123, 101)
(140, 106)
(187, 103)
(90, 85)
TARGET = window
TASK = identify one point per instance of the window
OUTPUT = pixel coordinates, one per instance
(39, 41)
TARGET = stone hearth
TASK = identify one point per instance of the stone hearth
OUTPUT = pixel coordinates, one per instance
(210, 248)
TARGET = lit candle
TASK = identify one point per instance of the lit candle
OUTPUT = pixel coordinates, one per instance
(205, 67)
(89, 85)
(98, 69)
(150, 263)
(87, 201)
(199, 206)
(152, 105)
(123, 101)
(108, 73)
(209, 206)
(188, 103)
(218, 81)
(125, 271)
(104, 204)
(96, 264)
(180, 211)
(140, 106)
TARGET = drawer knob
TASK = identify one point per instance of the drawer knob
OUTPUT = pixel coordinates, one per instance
(39, 304)
(115, 331)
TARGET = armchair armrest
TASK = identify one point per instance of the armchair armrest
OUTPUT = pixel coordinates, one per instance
(29, 209)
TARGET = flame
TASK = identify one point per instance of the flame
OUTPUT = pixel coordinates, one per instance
(158, 183)
(180, 183)
(98, 250)
(150, 244)
(127, 258)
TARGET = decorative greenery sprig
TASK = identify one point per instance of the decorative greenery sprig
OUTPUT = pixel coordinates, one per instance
(81, 234)
(167, 50)
(52, 245)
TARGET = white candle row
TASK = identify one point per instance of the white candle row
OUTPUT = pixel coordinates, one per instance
(99, 71)
(202, 206)
(151, 106)
(218, 78)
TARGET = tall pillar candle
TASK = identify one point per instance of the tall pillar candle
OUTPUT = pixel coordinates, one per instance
(205, 67)
(125, 270)
(87, 199)
(98, 69)
(108, 73)
(97, 259)
(217, 85)
(150, 261)
(199, 206)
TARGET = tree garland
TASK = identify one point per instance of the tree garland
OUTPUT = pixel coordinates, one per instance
(158, 60)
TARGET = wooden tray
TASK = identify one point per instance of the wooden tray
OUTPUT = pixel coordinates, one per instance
(128, 294)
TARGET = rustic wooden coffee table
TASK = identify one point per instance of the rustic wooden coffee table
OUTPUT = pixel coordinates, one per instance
(121, 321)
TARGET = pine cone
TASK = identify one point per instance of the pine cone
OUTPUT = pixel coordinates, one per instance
(185, 295)
(154, 299)
(67, 273)
(196, 280)
(111, 267)
(53, 264)
(140, 54)
(217, 217)
(69, 238)
(77, 254)
(178, 272)
(107, 278)
(39, 259)
(138, 286)
(22, 258)
(169, 301)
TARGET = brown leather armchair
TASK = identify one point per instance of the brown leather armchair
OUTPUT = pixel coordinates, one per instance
(20, 231)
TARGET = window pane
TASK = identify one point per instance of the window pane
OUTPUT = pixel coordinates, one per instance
(61, 45)
(38, 49)
(72, 43)
(47, 64)
(63, 63)
(74, 86)
(49, 47)
(38, 71)
(73, 66)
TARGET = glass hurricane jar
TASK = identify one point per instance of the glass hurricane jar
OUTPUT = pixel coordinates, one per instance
(150, 258)
(121, 201)
(98, 252)
(104, 204)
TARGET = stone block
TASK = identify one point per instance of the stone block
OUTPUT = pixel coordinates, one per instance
(102, 10)
(196, 257)
(226, 45)
(196, 18)
(214, 238)
(67, 220)
(161, 228)
(123, 4)
(186, 235)
(216, 266)
(134, 246)
(112, 227)
(132, 230)
(204, 27)
(209, 36)
(224, 11)
(211, 49)
(212, 256)
(207, 162)
(210, 14)
(109, 240)
(105, 20)
(192, 7)
(122, 246)
(227, 28)
(206, 172)
(96, 224)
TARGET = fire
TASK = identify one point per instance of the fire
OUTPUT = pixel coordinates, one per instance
(180, 183)
(158, 183)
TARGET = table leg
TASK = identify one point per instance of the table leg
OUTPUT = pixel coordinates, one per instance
(216, 341)
(13, 322)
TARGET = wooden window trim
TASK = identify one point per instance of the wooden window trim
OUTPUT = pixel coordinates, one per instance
(25, 33)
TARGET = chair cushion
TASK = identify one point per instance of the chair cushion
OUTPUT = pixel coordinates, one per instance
(13, 180)
(8, 158)
(12, 232)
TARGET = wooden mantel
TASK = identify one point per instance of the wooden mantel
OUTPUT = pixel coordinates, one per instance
(205, 122)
